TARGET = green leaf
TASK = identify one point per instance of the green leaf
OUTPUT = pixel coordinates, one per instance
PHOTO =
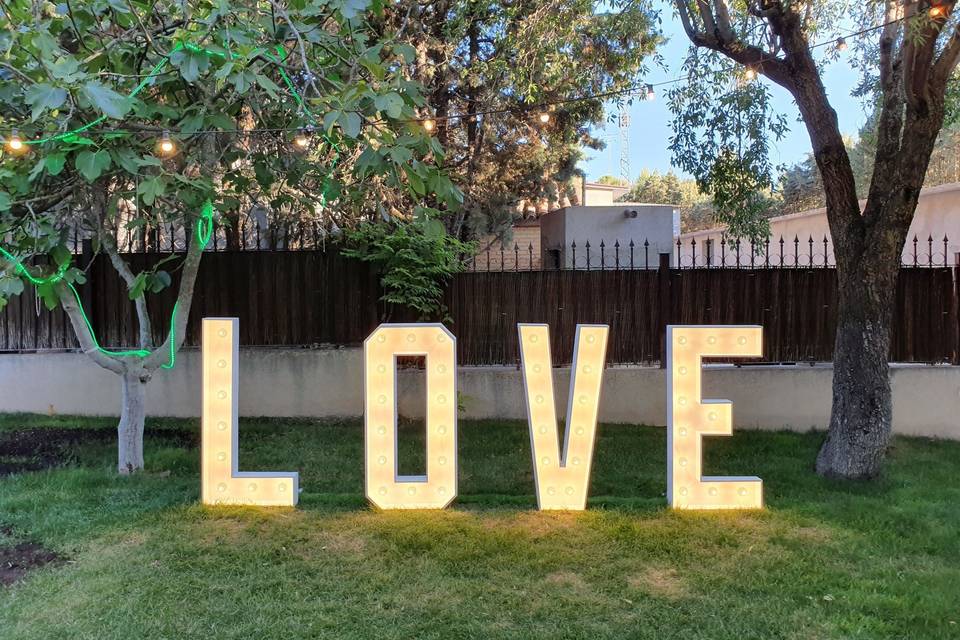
(111, 103)
(61, 255)
(128, 159)
(190, 63)
(416, 182)
(389, 103)
(138, 286)
(11, 286)
(350, 9)
(407, 52)
(65, 68)
(268, 85)
(350, 123)
(92, 164)
(54, 162)
(42, 96)
(4, 201)
(160, 281)
(151, 189)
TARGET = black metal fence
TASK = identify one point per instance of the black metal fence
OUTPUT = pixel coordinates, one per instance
(694, 252)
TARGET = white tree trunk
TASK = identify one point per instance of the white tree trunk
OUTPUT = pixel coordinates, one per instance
(133, 412)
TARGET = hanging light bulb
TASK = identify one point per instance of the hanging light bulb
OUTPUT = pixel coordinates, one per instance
(544, 117)
(650, 94)
(937, 11)
(750, 74)
(841, 44)
(429, 124)
(166, 147)
(15, 144)
(302, 139)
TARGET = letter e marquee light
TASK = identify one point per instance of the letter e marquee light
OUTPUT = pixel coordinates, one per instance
(562, 480)
(385, 487)
(221, 482)
(689, 418)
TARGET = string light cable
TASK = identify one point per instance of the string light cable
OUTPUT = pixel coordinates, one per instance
(430, 122)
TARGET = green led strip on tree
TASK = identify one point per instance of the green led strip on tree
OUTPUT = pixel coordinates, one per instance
(205, 223)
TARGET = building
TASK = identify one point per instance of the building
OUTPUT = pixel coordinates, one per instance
(806, 236)
(624, 235)
(546, 235)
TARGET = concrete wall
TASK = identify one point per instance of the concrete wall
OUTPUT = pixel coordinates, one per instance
(937, 215)
(561, 228)
(329, 383)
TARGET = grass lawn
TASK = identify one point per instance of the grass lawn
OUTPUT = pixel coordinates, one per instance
(144, 560)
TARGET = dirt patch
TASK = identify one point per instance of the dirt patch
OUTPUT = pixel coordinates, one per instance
(660, 581)
(568, 579)
(42, 448)
(17, 559)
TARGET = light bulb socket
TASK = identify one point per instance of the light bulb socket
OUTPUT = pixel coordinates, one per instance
(650, 93)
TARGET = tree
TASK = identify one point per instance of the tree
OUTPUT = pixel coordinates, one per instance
(500, 60)
(94, 88)
(909, 63)
(802, 189)
(615, 181)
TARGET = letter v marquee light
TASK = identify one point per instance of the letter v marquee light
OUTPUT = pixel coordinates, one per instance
(689, 417)
(562, 480)
(221, 482)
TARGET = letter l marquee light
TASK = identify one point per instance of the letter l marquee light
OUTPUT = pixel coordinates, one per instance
(385, 487)
(562, 480)
(220, 480)
(689, 417)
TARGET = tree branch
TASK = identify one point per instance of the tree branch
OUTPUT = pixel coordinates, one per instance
(72, 308)
(178, 332)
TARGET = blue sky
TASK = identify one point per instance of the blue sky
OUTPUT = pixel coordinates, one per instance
(650, 121)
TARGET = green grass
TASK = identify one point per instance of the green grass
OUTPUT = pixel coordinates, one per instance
(824, 560)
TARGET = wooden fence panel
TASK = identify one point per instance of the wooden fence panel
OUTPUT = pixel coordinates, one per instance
(298, 298)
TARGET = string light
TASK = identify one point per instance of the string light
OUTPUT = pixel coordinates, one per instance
(166, 147)
(646, 91)
(15, 143)
(302, 139)
(544, 117)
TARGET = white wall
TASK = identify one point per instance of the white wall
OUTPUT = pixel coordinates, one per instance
(329, 383)
(937, 215)
(654, 223)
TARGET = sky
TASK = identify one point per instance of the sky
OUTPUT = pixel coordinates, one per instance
(650, 121)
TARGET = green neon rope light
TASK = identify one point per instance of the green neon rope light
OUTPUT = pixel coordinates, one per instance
(204, 224)
(204, 232)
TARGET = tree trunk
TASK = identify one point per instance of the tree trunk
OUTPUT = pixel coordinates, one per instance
(861, 417)
(132, 416)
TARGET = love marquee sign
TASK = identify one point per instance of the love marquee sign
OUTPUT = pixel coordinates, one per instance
(561, 469)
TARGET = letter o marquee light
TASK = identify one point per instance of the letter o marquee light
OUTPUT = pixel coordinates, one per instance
(385, 487)
(689, 418)
(221, 482)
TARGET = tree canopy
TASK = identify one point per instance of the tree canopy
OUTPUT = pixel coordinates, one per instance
(499, 60)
